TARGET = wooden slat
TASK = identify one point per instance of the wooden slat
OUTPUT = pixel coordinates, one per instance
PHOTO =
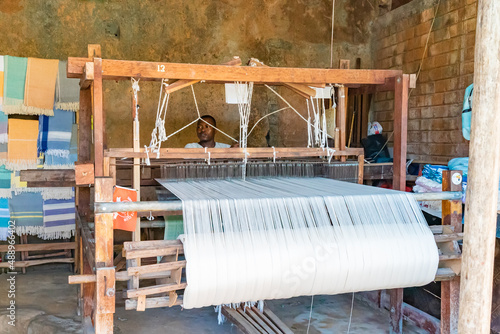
(448, 237)
(150, 244)
(112, 69)
(237, 319)
(273, 327)
(40, 247)
(141, 303)
(277, 321)
(445, 274)
(252, 313)
(250, 320)
(154, 268)
(24, 264)
(154, 302)
(124, 276)
(152, 290)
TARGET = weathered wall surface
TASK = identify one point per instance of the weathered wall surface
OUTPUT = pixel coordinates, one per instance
(434, 125)
(280, 33)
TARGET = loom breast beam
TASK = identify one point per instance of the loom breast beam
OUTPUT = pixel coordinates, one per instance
(179, 84)
(234, 153)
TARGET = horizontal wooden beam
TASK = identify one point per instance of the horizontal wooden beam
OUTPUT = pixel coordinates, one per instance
(155, 302)
(301, 89)
(179, 84)
(112, 69)
(152, 290)
(39, 247)
(40, 178)
(81, 279)
(24, 264)
(232, 153)
(154, 268)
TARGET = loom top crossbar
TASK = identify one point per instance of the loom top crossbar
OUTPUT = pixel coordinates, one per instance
(124, 69)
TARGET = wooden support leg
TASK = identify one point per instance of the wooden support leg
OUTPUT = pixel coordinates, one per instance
(105, 272)
(396, 322)
(24, 254)
(399, 181)
(450, 290)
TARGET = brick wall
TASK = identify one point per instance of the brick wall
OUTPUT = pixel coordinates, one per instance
(435, 105)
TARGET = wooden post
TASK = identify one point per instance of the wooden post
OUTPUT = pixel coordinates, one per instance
(400, 131)
(98, 119)
(482, 183)
(84, 146)
(105, 272)
(136, 184)
(450, 290)
(341, 118)
(399, 179)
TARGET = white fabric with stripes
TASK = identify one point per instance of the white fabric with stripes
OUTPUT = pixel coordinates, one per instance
(271, 238)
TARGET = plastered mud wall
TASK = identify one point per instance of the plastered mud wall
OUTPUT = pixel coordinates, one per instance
(280, 33)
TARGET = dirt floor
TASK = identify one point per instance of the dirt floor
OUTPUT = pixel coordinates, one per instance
(47, 304)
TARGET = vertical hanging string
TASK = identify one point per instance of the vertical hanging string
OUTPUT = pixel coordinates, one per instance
(309, 134)
(244, 95)
(331, 42)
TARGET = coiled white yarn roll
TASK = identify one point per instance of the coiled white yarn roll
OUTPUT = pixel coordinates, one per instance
(279, 238)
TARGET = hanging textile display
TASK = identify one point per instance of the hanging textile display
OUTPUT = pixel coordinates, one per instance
(67, 90)
(22, 146)
(270, 238)
(4, 219)
(26, 209)
(3, 117)
(14, 80)
(40, 86)
(58, 219)
(55, 133)
(5, 182)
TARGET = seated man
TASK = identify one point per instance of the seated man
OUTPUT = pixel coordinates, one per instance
(206, 134)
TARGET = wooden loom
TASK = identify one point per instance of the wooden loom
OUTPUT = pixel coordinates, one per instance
(96, 251)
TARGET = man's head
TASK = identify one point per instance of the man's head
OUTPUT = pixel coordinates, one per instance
(205, 132)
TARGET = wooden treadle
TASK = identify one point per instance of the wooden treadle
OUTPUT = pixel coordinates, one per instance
(252, 321)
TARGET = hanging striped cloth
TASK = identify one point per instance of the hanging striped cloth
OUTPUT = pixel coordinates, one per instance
(4, 218)
(3, 117)
(58, 218)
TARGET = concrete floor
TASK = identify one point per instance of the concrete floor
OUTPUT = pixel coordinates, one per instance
(47, 290)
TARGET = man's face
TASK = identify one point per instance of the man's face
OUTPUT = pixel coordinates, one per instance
(204, 131)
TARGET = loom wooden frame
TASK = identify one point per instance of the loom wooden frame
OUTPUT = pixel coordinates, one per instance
(96, 257)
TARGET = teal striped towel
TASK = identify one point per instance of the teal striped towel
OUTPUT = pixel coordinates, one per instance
(14, 79)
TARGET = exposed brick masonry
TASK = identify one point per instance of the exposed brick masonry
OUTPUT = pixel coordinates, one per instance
(435, 105)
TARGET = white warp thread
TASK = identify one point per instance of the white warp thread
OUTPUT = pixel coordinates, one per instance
(279, 238)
